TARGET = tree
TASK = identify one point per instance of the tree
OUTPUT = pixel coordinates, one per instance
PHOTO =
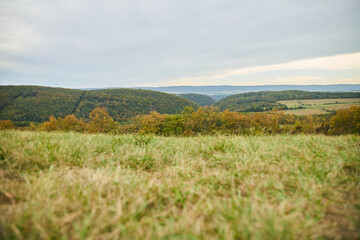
(174, 125)
(100, 121)
(71, 123)
(6, 124)
(346, 121)
(152, 123)
(51, 125)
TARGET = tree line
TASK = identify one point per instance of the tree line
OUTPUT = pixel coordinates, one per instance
(204, 121)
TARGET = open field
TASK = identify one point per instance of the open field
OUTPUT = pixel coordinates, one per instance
(78, 186)
(319, 106)
(306, 111)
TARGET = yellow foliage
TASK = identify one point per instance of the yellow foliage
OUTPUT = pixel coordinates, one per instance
(6, 124)
(100, 121)
(346, 121)
(51, 125)
(152, 123)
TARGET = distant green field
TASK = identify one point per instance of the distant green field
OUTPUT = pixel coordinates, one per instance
(80, 186)
(319, 106)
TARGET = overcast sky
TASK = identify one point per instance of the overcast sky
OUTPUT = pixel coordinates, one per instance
(117, 43)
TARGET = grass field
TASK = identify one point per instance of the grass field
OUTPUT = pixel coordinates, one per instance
(319, 106)
(306, 111)
(78, 186)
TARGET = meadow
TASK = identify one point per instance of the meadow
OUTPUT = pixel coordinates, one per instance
(319, 106)
(101, 186)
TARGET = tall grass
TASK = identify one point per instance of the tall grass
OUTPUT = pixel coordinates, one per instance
(77, 186)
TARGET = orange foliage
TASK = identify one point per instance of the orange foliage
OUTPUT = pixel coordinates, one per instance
(71, 123)
(346, 121)
(51, 125)
(6, 124)
(152, 123)
(100, 121)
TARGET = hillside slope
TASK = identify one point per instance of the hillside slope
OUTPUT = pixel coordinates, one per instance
(201, 99)
(35, 103)
(126, 103)
(264, 101)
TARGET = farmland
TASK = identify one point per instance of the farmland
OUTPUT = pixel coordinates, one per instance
(82, 186)
(318, 106)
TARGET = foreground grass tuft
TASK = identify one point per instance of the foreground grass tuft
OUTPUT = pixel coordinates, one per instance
(77, 186)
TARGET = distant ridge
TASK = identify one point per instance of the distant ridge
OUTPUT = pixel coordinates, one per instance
(201, 99)
(225, 90)
(218, 92)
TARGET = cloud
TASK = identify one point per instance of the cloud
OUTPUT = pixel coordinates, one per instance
(355, 80)
(338, 62)
(158, 42)
(343, 62)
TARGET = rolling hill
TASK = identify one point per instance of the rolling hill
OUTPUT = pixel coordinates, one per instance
(267, 100)
(35, 103)
(218, 92)
(201, 99)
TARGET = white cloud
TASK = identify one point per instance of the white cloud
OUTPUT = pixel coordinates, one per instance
(147, 42)
(355, 80)
(338, 62)
(343, 62)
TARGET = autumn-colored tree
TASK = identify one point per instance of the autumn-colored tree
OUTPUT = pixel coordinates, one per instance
(152, 123)
(305, 124)
(287, 121)
(259, 123)
(32, 127)
(100, 121)
(323, 127)
(51, 125)
(297, 127)
(276, 120)
(189, 122)
(6, 124)
(230, 120)
(235, 123)
(197, 121)
(71, 123)
(346, 121)
(212, 119)
(309, 124)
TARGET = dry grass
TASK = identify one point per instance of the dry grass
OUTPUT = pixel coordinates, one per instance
(296, 103)
(77, 186)
(337, 107)
(319, 106)
(306, 111)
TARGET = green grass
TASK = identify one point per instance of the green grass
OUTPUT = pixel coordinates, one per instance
(319, 106)
(78, 186)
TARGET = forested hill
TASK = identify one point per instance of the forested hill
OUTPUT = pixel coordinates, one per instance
(123, 103)
(201, 99)
(267, 100)
(35, 103)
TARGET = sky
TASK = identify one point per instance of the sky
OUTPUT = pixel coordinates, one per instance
(151, 43)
